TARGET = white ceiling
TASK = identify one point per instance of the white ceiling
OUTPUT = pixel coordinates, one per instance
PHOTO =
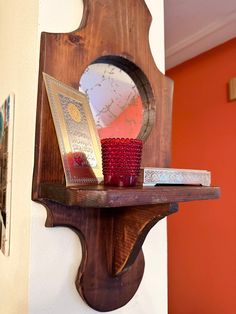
(194, 26)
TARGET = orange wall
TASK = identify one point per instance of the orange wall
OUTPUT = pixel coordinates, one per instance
(202, 236)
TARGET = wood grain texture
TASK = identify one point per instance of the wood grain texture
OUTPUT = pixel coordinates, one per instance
(108, 197)
(130, 227)
(112, 265)
(111, 223)
(116, 31)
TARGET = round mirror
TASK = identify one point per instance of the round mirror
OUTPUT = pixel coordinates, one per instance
(114, 99)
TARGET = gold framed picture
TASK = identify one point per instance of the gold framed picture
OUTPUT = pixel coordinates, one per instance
(76, 133)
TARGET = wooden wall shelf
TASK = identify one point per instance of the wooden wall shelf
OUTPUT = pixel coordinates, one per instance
(112, 223)
(107, 197)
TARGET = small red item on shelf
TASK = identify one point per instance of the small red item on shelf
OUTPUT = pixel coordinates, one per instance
(121, 160)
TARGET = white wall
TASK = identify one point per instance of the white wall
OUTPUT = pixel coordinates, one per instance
(18, 73)
(55, 253)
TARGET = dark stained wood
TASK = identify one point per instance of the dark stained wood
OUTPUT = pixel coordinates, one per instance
(102, 196)
(98, 288)
(113, 264)
(116, 31)
(130, 227)
(111, 223)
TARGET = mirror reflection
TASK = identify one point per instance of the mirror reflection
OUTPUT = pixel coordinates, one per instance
(114, 99)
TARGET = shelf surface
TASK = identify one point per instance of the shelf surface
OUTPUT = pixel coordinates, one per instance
(102, 197)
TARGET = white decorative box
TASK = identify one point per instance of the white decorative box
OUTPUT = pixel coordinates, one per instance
(153, 176)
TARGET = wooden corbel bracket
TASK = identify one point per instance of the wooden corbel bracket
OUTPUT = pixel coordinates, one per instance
(112, 264)
(112, 233)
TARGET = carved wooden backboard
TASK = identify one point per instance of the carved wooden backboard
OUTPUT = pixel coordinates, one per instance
(114, 32)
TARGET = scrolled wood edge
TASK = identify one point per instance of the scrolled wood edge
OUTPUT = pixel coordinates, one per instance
(98, 288)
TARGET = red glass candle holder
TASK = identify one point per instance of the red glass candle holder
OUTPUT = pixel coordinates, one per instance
(121, 159)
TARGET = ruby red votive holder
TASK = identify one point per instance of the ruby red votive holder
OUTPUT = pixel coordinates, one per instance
(121, 160)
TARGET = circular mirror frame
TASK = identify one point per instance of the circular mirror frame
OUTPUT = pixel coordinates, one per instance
(143, 86)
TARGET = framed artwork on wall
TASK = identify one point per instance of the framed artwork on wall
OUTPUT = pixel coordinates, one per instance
(6, 150)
